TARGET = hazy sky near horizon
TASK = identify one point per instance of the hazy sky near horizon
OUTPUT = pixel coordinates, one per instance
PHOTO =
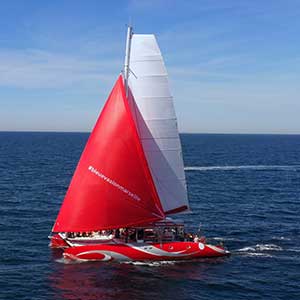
(234, 66)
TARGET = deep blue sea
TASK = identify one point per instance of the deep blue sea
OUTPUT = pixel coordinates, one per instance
(244, 190)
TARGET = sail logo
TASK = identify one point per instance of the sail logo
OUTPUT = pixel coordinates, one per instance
(113, 183)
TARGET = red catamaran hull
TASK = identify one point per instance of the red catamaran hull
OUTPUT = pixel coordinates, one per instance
(145, 252)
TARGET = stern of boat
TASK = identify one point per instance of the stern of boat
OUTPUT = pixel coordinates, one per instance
(56, 241)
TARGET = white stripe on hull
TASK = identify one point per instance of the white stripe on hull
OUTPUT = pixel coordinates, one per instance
(131, 252)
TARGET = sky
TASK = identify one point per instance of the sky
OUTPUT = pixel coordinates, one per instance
(234, 66)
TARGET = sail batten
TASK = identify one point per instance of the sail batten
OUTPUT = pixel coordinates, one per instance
(156, 121)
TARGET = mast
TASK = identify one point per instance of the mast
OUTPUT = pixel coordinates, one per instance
(127, 58)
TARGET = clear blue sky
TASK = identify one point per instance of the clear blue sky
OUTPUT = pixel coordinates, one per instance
(234, 65)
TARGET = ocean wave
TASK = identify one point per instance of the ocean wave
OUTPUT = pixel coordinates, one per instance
(260, 247)
(259, 254)
(223, 239)
(65, 261)
(268, 247)
(150, 263)
(245, 167)
(294, 249)
(245, 249)
(258, 250)
(281, 238)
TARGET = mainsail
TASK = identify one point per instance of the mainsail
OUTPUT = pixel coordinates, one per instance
(156, 122)
(112, 186)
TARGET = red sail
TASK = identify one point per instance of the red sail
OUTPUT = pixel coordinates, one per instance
(112, 186)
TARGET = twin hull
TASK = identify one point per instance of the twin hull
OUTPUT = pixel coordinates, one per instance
(144, 252)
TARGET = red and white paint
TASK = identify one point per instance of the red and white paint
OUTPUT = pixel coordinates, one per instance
(144, 252)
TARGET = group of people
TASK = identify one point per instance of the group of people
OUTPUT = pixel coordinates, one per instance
(137, 234)
(116, 233)
(89, 234)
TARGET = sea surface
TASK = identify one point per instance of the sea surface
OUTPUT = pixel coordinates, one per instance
(244, 191)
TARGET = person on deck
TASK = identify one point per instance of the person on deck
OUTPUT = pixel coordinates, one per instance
(196, 239)
(126, 234)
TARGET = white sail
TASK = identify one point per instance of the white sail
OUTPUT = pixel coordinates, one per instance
(156, 121)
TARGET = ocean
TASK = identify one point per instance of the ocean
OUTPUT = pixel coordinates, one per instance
(244, 190)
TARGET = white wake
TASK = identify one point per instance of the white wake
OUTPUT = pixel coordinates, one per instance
(260, 247)
(150, 263)
(260, 250)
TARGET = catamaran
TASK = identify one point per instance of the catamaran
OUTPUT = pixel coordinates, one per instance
(130, 177)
